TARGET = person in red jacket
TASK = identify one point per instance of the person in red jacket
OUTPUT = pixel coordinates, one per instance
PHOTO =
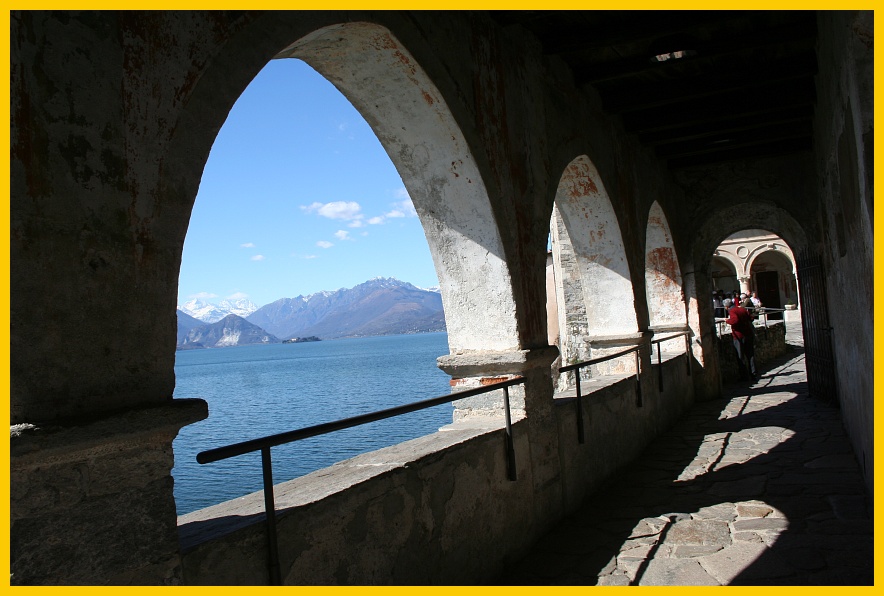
(743, 332)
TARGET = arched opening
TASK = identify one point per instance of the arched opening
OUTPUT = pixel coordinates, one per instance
(663, 282)
(773, 277)
(593, 287)
(724, 275)
(410, 119)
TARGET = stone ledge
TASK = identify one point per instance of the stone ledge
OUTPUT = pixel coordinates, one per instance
(57, 442)
(473, 364)
(216, 521)
(626, 339)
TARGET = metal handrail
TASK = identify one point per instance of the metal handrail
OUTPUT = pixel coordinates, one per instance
(581, 438)
(264, 444)
(764, 310)
(687, 351)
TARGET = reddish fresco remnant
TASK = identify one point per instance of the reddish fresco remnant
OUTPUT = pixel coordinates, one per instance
(404, 60)
(385, 42)
(484, 381)
(663, 260)
(428, 98)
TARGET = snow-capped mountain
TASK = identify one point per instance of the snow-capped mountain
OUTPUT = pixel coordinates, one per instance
(212, 313)
(232, 330)
(380, 306)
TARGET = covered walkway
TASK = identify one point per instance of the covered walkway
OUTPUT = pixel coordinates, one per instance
(760, 487)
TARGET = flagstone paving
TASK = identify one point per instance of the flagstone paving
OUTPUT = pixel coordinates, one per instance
(758, 488)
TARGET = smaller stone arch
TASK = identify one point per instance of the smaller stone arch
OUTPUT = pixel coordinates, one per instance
(724, 273)
(593, 285)
(663, 281)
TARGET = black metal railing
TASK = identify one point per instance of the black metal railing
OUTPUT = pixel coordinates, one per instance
(760, 314)
(687, 351)
(576, 368)
(264, 444)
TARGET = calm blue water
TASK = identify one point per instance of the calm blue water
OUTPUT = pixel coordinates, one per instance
(254, 391)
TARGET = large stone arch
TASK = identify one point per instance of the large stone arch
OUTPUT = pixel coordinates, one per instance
(594, 289)
(409, 115)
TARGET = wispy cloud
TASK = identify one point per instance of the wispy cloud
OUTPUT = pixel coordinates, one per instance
(346, 210)
(258, 258)
(342, 235)
(324, 244)
(356, 223)
(247, 245)
(376, 220)
(237, 296)
(203, 295)
(309, 257)
(406, 207)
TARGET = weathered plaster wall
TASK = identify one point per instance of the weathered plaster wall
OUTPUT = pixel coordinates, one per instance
(844, 160)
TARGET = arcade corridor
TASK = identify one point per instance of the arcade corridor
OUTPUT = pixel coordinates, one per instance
(760, 487)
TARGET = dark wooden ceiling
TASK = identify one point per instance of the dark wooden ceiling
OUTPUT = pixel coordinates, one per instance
(746, 87)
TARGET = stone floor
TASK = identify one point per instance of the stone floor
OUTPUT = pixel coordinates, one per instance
(758, 488)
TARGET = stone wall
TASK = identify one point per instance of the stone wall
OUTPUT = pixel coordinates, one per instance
(844, 147)
(438, 510)
(770, 343)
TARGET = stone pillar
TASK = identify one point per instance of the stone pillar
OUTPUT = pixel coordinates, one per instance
(531, 402)
(744, 284)
(92, 503)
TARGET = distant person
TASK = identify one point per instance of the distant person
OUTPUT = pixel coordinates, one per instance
(755, 300)
(743, 332)
(718, 305)
(744, 301)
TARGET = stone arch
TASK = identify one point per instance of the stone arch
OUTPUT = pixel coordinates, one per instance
(663, 281)
(408, 113)
(728, 218)
(593, 283)
(724, 274)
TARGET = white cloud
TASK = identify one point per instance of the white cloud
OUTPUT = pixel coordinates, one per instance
(237, 296)
(406, 207)
(247, 245)
(346, 210)
(376, 220)
(258, 258)
(401, 193)
(309, 256)
(394, 213)
(203, 295)
(356, 223)
(324, 244)
(342, 235)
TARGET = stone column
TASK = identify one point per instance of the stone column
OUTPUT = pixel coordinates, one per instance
(744, 284)
(531, 403)
(92, 503)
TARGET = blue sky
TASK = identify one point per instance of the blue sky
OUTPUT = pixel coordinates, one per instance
(298, 196)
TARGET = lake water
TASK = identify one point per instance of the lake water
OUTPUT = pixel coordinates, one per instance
(255, 391)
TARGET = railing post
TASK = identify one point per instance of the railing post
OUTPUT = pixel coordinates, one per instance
(638, 379)
(270, 513)
(510, 448)
(687, 350)
(659, 368)
(580, 435)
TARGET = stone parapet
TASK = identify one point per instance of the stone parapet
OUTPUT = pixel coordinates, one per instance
(90, 478)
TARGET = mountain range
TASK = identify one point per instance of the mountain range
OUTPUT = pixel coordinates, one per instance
(380, 306)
